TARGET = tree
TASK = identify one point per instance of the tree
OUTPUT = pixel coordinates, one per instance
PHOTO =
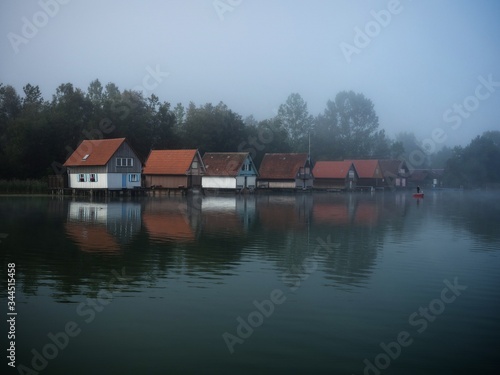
(413, 147)
(210, 128)
(348, 129)
(441, 157)
(296, 120)
(264, 136)
(10, 103)
(95, 93)
(161, 122)
(477, 164)
(180, 115)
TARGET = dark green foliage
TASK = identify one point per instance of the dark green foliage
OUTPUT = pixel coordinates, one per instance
(349, 129)
(37, 136)
(477, 164)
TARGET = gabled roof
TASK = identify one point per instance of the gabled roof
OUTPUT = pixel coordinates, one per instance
(169, 162)
(224, 163)
(367, 168)
(94, 152)
(281, 166)
(391, 166)
(332, 169)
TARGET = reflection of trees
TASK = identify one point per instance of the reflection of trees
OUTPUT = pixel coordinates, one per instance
(357, 225)
(205, 237)
(475, 211)
(352, 261)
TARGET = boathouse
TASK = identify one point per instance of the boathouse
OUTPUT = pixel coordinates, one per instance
(395, 172)
(369, 173)
(335, 175)
(107, 164)
(173, 169)
(229, 170)
(285, 171)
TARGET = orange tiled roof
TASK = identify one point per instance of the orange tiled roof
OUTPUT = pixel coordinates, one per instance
(172, 162)
(331, 169)
(281, 166)
(223, 163)
(99, 152)
(368, 168)
(390, 166)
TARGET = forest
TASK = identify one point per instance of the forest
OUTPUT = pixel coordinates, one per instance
(38, 135)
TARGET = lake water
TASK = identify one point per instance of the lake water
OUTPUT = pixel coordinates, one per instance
(266, 284)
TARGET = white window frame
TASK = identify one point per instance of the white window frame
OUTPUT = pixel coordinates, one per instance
(124, 162)
(134, 177)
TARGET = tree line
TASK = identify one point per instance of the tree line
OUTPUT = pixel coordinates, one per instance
(38, 135)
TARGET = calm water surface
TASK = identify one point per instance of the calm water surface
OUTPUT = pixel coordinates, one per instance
(265, 284)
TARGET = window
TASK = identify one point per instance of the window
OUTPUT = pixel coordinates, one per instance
(124, 162)
(81, 177)
(247, 166)
(195, 164)
(93, 177)
(133, 177)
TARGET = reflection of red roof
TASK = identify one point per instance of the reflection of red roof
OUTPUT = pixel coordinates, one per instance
(168, 226)
(331, 213)
(280, 216)
(281, 166)
(92, 238)
(94, 152)
(218, 222)
(168, 220)
(223, 163)
(331, 169)
(171, 162)
(367, 168)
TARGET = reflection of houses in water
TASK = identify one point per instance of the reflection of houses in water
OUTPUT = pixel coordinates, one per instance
(346, 210)
(283, 212)
(228, 215)
(102, 227)
(170, 220)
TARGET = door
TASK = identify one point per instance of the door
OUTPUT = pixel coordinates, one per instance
(124, 180)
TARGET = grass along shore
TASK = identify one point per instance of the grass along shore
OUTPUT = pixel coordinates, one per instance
(29, 186)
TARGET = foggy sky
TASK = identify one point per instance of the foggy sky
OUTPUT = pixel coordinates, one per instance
(430, 67)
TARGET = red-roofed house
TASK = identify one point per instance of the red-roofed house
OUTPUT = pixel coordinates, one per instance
(285, 171)
(369, 173)
(335, 175)
(229, 170)
(104, 164)
(395, 172)
(173, 169)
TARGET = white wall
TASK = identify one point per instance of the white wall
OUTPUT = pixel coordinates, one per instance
(104, 181)
(282, 184)
(251, 181)
(212, 182)
(101, 183)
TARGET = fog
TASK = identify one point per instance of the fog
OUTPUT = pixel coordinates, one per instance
(429, 67)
